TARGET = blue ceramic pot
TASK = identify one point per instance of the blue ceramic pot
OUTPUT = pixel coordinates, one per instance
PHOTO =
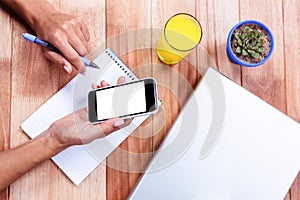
(234, 58)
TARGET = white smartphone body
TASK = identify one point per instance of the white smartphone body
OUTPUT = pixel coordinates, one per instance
(124, 100)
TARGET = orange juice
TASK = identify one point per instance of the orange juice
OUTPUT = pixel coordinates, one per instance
(181, 34)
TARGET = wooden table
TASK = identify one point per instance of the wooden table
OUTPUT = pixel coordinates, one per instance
(28, 80)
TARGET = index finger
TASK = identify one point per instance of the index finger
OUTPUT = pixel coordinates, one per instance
(72, 56)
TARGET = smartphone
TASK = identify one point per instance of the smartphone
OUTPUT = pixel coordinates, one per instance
(124, 101)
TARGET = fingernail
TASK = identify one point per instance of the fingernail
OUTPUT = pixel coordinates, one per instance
(82, 70)
(67, 69)
(103, 82)
(119, 122)
(94, 86)
(122, 79)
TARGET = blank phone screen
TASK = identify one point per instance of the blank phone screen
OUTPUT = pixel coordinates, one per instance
(121, 101)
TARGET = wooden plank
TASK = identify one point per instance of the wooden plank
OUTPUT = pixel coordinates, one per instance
(5, 63)
(176, 81)
(93, 14)
(123, 20)
(57, 183)
(206, 52)
(292, 59)
(268, 80)
(291, 35)
(216, 26)
(34, 80)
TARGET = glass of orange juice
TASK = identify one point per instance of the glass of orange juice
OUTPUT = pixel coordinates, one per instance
(182, 33)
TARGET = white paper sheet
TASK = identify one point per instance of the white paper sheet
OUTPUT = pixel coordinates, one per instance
(252, 153)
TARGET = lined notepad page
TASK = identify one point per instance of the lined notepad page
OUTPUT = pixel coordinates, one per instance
(78, 162)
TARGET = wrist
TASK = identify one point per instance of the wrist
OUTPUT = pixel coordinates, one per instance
(52, 142)
(33, 12)
(37, 17)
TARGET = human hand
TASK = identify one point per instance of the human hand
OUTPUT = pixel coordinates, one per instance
(69, 34)
(75, 128)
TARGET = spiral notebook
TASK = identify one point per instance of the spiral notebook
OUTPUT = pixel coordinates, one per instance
(78, 162)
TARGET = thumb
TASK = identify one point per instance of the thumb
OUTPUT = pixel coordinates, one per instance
(111, 125)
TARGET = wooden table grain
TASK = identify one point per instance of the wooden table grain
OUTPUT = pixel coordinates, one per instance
(28, 80)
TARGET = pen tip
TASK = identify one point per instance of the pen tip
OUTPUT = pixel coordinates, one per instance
(92, 64)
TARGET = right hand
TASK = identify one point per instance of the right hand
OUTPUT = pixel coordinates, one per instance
(69, 34)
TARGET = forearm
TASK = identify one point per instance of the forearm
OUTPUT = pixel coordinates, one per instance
(17, 161)
(30, 10)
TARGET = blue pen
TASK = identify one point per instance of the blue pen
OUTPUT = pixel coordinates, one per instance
(37, 40)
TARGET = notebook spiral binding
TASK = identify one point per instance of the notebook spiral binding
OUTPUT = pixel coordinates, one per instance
(121, 64)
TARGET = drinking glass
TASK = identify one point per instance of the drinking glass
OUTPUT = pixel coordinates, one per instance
(181, 34)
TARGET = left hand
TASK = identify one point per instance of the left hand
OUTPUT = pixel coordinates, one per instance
(76, 129)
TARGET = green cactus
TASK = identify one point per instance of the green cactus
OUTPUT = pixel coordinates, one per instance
(249, 42)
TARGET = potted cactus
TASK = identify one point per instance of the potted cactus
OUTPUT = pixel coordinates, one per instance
(250, 43)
